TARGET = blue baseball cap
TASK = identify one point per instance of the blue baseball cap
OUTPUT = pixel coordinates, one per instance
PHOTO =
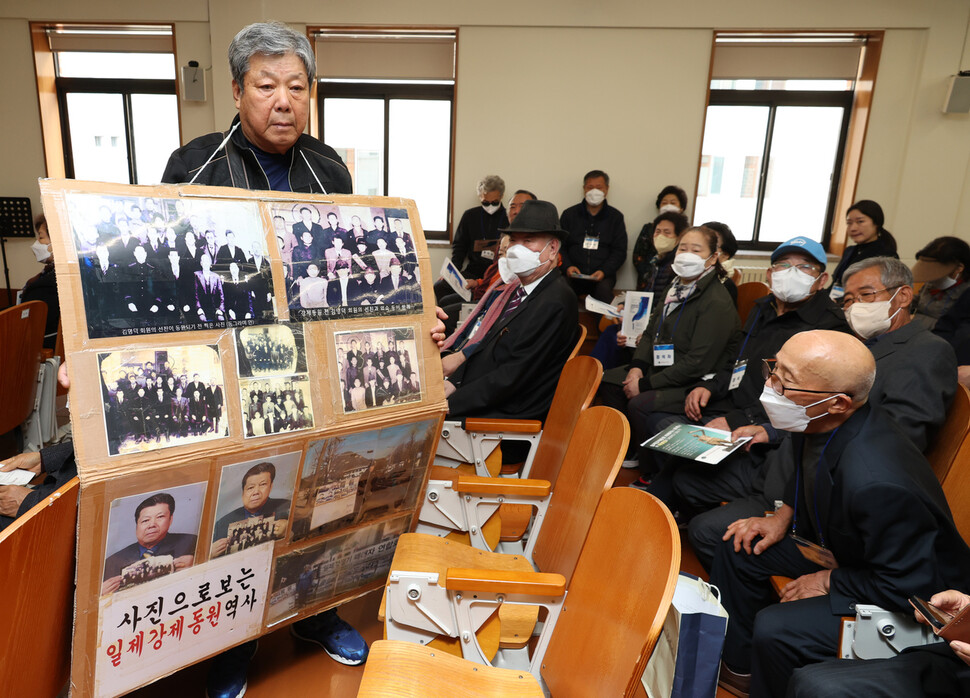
(801, 245)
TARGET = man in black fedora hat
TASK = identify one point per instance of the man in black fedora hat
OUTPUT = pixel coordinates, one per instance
(511, 370)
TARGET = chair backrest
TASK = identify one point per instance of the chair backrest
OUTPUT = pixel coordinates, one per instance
(578, 382)
(748, 293)
(950, 437)
(591, 463)
(37, 578)
(21, 341)
(579, 341)
(617, 600)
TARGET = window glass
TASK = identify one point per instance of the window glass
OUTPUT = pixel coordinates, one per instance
(804, 145)
(155, 122)
(132, 66)
(97, 129)
(419, 153)
(355, 129)
(733, 136)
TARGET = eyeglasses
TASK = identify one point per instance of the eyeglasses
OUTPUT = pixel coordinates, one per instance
(809, 269)
(864, 297)
(768, 373)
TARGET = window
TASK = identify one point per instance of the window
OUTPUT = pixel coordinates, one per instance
(116, 101)
(777, 124)
(386, 105)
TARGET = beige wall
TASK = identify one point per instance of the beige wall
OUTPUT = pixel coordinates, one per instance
(550, 89)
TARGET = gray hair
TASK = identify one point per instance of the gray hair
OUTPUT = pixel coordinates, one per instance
(269, 39)
(491, 183)
(892, 272)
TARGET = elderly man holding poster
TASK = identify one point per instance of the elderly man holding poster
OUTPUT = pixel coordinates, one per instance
(273, 70)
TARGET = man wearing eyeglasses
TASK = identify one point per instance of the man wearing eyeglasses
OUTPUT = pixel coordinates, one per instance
(917, 371)
(864, 520)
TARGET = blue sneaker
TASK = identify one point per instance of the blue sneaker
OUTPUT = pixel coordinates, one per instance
(227, 673)
(334, 635)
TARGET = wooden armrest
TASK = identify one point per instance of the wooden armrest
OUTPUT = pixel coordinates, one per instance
(46, 354)
(778, 582)
(473, 484)
(515, 426)
(505, 581)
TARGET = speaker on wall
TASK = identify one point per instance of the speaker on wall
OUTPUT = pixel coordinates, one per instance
(193, 82)
(957, 100)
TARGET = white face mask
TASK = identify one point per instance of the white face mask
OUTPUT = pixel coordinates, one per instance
(687, 265)
(673, 208)
(491, 208)
(792, 285)
(594, 197)
(664, 244)
(41, 251)
(522, 261)
(504, 272)
(728, 266)
(870, 319)
(787, 415)
(943, 284)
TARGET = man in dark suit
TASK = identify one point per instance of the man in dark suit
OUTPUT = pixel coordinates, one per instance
(876, 522)
(306, 225)
(259, 278)
(512, 370)
(153, 518)
(257, 486)
(239, 304)
(229, 253)
(209, 298)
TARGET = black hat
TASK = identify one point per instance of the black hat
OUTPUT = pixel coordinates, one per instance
(537, 216)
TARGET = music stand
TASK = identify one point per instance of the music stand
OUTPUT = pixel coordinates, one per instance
(16, 221)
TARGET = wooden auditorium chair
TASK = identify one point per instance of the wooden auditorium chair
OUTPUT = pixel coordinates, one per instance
(748, 293)
(473, 441)
(21, 344)
(597, 637)
(476, 506)
(37, 578)
(555, 548)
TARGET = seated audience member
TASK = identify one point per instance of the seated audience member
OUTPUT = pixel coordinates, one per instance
(59, 467)
(671, 199)
(43, 286)
(940, 669)
(943, 267)
(512, 371)
(915, 383)
(862, 495)
(863, 221)
(480, 286)
(954, 327)
(653, 275)
(727, 247)
(692, 331)
(477, 234)
(596, 242)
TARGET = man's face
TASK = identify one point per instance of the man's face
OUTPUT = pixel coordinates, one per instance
(515, 204)
(152, 525)
(273, 101)
(596, 183)
(256, 491)
(545, 244)
(332, 220)
(870, 281)
(140, 254)
(806, 265)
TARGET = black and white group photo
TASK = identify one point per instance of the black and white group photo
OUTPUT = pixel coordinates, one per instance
(155, 398)
(270, 350)
(275, 405)
(343, 257)
(377, 368)
(169, 265)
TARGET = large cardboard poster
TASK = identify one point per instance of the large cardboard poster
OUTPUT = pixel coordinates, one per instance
(255, 400)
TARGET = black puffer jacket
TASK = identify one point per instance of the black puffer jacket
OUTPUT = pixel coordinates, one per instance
(236, 165)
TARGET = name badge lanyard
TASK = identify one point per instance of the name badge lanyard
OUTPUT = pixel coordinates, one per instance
(660, 325)
(798, 482)
(748, 335)
(737, 373)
